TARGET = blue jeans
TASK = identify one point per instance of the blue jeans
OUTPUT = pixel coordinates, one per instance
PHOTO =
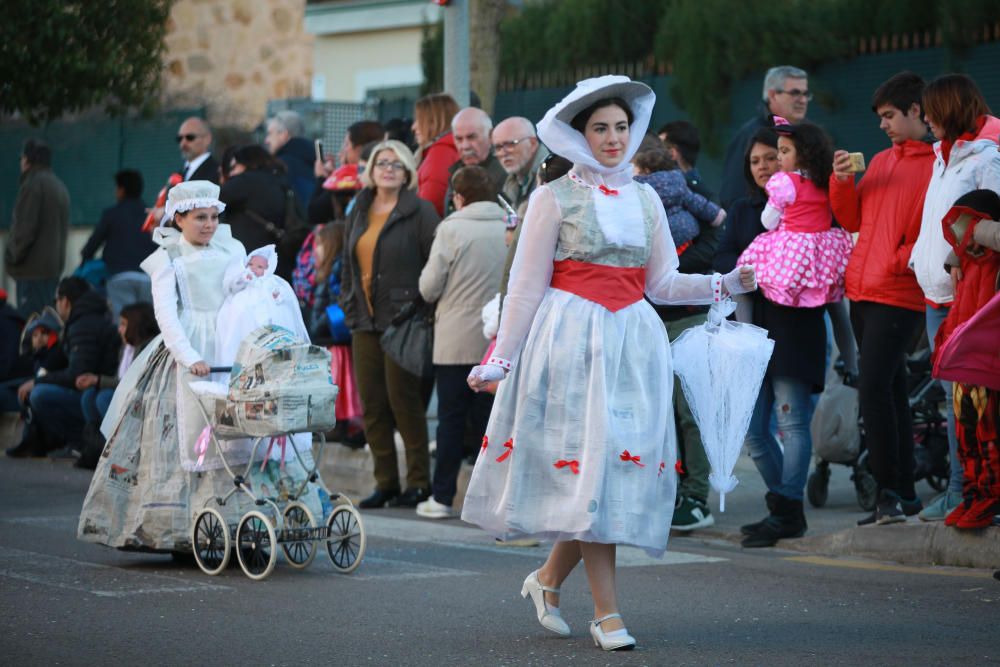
(58, 410)
(94, 403)
(784, 472)
(935, 318)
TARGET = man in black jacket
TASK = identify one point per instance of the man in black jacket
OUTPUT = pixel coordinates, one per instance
(786, 94)
(125, 244)
(90, 344)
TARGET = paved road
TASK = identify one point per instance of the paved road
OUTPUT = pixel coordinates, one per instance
(441, 593)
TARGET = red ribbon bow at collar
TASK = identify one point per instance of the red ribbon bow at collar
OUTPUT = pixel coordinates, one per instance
(625, 456)
(573, 465)
(510, 448)
(606, 190)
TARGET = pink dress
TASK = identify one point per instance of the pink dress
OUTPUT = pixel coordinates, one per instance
(801, 263)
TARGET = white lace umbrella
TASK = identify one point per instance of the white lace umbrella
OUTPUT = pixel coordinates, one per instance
(721, 365)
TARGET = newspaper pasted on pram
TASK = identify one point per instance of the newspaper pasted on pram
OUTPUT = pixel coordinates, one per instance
(278, 386)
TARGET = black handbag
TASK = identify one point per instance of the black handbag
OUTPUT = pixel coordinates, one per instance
(409, 339)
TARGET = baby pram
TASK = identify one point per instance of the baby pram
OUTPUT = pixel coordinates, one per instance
(930, 437)
(279, 391)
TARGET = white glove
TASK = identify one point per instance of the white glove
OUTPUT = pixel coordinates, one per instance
(481, 376)
(740, 280)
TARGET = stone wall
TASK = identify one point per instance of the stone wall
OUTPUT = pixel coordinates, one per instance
(232, 56)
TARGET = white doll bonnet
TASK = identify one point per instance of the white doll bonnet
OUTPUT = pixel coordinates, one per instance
(559, 137)
(190, 195)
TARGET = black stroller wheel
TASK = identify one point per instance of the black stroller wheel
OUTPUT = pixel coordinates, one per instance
(818, 485)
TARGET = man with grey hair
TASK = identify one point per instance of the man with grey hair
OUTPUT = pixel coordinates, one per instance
(520, 153)
(471, 129)
(786, 94)
(285, 141)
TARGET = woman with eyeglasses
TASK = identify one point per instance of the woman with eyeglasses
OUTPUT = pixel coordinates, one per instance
(389, 235)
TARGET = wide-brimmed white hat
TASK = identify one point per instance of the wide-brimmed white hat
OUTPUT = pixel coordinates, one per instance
(190, 195)
(555, 131)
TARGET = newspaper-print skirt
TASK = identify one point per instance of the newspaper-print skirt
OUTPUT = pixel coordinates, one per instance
(142, 498)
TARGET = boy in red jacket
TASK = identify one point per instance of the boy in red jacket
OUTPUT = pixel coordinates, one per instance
(887, 305)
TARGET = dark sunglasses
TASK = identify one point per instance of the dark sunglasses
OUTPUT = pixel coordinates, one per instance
(187, 137)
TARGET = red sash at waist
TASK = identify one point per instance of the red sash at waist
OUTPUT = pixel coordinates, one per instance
(613, 287)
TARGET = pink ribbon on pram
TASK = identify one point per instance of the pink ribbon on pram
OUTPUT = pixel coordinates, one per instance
(201, 445)
(281, 441)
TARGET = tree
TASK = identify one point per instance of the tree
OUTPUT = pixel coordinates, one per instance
(484, 49)
(61, 56)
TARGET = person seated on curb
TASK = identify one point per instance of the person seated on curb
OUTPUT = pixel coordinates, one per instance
(137, 326)
(38, 347)
(89, 345)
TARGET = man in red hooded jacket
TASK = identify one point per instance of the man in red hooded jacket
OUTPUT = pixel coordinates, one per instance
(887, 304)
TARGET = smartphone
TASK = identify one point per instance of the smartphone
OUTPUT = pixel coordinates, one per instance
(319, 150)
(857, 162)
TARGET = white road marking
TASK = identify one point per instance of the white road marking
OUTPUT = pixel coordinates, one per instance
(452, 534)
(94, 578)
(389, 569)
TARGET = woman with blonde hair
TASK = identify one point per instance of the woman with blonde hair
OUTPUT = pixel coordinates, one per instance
(388, 240)
(432, 116)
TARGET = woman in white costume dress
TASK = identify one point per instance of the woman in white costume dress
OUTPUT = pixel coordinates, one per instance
(580, 448)
(148, 485)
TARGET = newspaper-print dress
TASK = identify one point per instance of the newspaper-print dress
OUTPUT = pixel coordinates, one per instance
(147, 489)
(581, 441)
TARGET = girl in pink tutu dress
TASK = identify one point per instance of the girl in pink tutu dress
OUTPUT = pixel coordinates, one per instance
(800, 262)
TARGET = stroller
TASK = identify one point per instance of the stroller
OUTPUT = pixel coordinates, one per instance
(846, 445)
(279, 390)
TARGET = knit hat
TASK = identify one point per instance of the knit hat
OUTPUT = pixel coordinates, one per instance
(190, 195)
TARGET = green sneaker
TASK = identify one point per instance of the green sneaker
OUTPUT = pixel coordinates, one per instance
(939, 508)
(691, 513)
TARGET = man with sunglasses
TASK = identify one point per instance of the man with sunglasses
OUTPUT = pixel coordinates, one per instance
(786, 93)
(520, 153)
(194, 139)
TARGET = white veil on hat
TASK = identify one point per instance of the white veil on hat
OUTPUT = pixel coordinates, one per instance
(559, 137)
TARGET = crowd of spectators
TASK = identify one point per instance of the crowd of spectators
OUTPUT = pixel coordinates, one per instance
(422, 218)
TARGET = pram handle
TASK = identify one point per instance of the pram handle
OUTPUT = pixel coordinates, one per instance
(220, 369)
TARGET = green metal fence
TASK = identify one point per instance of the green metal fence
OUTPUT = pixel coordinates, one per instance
(843, 96)
(86, 154)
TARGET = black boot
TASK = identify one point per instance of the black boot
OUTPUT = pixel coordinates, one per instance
(787, 520)
(771, 499)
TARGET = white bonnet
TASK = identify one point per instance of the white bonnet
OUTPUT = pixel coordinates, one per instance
(190, 195)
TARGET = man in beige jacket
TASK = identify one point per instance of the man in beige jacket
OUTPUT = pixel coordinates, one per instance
(461, 276)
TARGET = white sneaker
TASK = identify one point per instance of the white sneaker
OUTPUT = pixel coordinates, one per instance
(432, 509)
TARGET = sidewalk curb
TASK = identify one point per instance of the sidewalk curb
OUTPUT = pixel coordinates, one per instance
(912, 543)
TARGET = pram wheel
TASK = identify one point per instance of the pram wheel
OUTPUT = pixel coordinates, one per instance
(818, 485)
(865, 486)
(255, 545)
(296, 537)
(345, 540)
(210, 541)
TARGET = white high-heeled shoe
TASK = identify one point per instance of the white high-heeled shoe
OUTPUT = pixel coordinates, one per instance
(549, 617)
(616, 640)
